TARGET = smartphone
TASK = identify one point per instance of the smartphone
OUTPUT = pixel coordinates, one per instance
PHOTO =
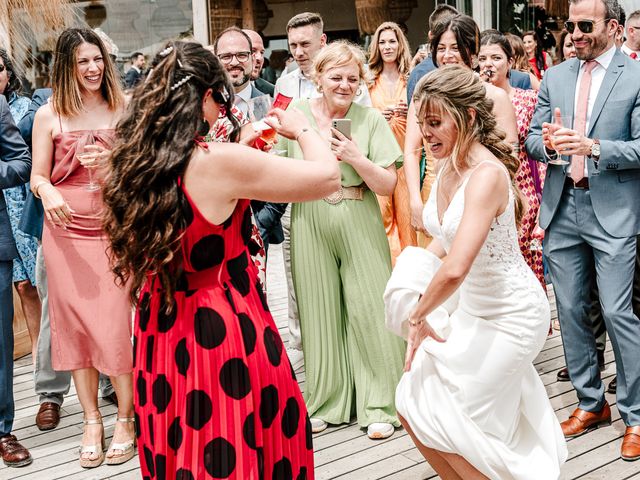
(343, 125)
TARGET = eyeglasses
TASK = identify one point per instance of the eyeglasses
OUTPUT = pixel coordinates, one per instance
(240, 56)
(221, 97)
(585, 26)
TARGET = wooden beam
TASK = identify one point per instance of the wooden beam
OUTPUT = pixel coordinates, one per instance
(248, 18)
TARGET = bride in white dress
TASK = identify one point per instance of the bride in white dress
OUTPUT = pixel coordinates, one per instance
(470, 397)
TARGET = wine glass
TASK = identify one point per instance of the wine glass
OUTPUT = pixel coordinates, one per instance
(88, 158)
(259, 108)
(566, 122)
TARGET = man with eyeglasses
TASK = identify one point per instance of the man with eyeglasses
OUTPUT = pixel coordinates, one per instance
(632, 45)
(233, 47)
(590, 209)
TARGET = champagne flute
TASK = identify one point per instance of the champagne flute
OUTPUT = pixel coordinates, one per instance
(259, 108)
(566, 121)
(88, 158)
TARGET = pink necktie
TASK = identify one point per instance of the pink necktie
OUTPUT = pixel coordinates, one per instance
(634, 55)
(580, 121)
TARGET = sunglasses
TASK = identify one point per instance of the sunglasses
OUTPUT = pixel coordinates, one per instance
(2, 68)
(221, 97)
(585, 26)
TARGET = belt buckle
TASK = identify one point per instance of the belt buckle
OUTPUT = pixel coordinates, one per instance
(335, 198)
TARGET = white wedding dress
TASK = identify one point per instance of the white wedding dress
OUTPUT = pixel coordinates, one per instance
(478, 394)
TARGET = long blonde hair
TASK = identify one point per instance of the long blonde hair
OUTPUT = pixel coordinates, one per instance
(404, 52)
(455, 90)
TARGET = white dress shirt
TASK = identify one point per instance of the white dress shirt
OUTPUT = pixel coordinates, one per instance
(627, 51)
(242, 98)
(597, 77)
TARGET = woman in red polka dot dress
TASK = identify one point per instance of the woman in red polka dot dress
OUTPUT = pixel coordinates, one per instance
(215, 394)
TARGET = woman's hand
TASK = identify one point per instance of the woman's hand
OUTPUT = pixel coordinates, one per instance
(343, 148)
(55, 207)
(416, 216)
(417, 334)
(401, 109)
(289, 124)
(94, 156)
(388, 113)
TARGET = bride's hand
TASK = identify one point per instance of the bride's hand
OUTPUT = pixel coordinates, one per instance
(416, 217)
(417, 333)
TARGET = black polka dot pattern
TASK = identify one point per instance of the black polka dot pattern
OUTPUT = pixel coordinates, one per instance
(219, 458)
(268, 405)
(249, 431)
(273, 344)
(150, 422)
(199, 409)
(308, 433)
(144, 311)
(161, 467)
(166, 317)
(249, 335)
(207, 252)
(175, 435)
(247, 226)
(161, 393)
(137, 424)
(290, 418)
(303, 474)
(237, 268)
(149, 354)
(263, 297)
(148, 459)
(234, 378)
(282, 470)
(182, 357)
(141, 388)
(209, 328)
(184, 474)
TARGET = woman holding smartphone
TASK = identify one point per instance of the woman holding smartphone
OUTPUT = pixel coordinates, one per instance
(340, 257)
(389, 65)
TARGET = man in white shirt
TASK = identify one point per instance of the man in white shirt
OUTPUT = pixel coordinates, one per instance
(631, 46)
(590, 210)
(234, 49)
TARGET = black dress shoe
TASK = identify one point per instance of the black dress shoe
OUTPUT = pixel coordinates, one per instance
(563, 375)
(612, 385)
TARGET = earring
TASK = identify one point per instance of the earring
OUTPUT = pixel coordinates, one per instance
(359, 92)
(203, 128)
(319, 89)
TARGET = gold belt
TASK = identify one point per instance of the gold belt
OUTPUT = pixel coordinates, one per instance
(345, 193)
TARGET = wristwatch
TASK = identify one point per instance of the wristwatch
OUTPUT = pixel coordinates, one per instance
(595, 149)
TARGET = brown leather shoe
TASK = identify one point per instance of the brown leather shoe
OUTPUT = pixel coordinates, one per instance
(14, 454)
(630, 450)
(48, 416)
(581, 421)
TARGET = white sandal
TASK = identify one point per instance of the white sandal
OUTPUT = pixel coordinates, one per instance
(127, 448)
(92, 449)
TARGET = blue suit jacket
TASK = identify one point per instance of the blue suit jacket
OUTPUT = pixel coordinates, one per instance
(15, 168)
(614, 184)
(32, 212)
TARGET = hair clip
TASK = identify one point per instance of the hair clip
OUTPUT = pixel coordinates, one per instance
(179, 83)
(166, 51)
(179, 63)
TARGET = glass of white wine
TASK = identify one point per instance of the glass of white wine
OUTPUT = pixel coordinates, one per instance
(566, 122)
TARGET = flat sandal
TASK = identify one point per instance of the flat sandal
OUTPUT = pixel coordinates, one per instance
(92, 449)
(127, 448)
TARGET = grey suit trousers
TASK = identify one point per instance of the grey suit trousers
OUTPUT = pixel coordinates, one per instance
(575, 243)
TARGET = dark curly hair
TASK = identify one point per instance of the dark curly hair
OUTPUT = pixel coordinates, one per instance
(144, 218)
(14, 85)
(467, 34)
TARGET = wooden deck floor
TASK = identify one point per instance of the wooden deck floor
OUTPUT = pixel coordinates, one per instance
(342, 452)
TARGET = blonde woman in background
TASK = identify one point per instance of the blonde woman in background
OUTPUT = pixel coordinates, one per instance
(389, 65)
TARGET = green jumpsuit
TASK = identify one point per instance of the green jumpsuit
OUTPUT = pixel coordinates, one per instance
(341, 264)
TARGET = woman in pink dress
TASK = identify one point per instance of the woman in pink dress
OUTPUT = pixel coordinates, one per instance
(90, 315)
(496, 60)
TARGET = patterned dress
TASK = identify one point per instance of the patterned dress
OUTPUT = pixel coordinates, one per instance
(24, 266)
(524, 103)
(215, 395)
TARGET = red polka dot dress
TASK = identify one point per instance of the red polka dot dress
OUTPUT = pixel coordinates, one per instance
(215, 394)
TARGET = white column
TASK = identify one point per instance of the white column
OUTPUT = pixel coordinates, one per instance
(201, 21)
(482, 13)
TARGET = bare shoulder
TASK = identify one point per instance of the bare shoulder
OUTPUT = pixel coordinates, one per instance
(496, 93)
(46, 118)
(489, 181)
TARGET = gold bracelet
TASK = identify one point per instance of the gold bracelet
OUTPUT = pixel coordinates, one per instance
(34, 188)
(416, 323)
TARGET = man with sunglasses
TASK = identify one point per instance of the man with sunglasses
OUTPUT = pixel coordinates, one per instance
(233, 47)
(632, 45)
(590, 209)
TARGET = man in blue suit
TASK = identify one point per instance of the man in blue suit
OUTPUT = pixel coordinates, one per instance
(15, 167)
(590, 210)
